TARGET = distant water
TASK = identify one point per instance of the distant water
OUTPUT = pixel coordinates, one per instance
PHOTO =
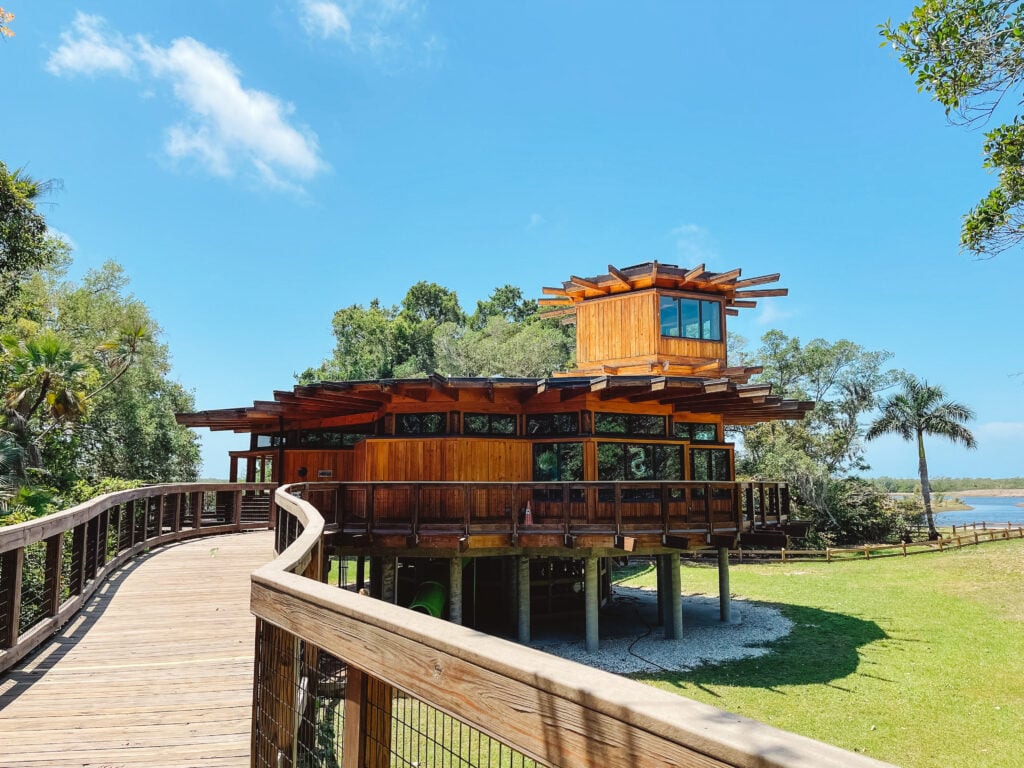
(991, 509)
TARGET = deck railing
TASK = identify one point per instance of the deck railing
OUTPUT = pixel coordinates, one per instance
(345, 680)
(418, 509)
(50, 566)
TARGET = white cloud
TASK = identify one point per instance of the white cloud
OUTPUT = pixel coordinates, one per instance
(694, 244)
(390, 32)
(770, 313)
(228, 123)
(89, 48)
(226, 127)
(324, 19)
(536, 220)
(64, 236)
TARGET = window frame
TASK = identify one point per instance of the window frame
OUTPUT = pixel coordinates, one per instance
(665, 300)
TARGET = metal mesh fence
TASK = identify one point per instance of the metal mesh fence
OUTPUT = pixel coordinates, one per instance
(256, 506)
(302, 694)
(34, 601)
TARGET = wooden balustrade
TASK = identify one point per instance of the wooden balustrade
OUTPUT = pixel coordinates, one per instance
(50, 566)
(420, 509)
(344, 679)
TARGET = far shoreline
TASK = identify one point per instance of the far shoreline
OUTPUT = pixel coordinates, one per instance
(984, 492)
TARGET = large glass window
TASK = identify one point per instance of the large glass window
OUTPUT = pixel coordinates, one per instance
(489, 424)
(420, 423)
(710, 464)
(691, 318)
(696, 432)
(557, 461)
(639, 461)
(628, 424)
(553, 424)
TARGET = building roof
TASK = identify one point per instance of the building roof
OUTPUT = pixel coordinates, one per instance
(342, 403)
(652, 274)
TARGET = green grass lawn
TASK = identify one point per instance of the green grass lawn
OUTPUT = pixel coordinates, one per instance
(918, 660)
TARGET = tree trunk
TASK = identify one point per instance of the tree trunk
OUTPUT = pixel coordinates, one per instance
(926, 492)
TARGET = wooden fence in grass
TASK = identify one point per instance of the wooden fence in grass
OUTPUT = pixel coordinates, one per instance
(968, 535)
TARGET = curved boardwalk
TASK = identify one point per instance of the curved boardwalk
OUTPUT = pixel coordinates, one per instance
(156, 671)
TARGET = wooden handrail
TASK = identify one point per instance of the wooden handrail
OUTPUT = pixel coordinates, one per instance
(104, 533)
(554, 711)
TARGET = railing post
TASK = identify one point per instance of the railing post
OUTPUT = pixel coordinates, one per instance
(51, 581)
(78, 537)
(11, 564)
(353, 748)
(236, 514)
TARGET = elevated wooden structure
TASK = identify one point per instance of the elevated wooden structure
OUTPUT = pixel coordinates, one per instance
(627, 454)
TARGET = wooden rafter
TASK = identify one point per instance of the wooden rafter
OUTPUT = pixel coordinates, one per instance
(748, 282)
(588, 284)
(762, 293)
(620, 276)
(724, 277)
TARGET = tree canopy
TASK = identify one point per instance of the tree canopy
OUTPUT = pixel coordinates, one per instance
(429, 332)
(969, 55)
(85, 380)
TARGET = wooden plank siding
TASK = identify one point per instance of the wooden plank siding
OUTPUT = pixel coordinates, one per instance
(617, 328)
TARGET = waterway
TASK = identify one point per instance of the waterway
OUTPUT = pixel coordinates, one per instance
(990, 509)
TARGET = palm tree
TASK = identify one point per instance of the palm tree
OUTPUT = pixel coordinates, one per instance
(922, 409)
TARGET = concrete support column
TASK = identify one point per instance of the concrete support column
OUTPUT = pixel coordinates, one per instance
(675, 597)
(724, 598)
(455, 590)
(593, 599)
(523, 584)
(659, 587)
(388, 576)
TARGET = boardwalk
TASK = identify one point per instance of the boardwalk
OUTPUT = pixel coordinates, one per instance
(157, 671)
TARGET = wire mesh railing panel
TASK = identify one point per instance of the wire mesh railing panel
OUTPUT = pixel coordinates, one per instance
(301, 695)
(73, 561)
(34, 602)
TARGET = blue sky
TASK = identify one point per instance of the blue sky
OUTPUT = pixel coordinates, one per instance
(257, 165)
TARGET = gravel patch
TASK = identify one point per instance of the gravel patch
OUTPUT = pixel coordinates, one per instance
(631, 642)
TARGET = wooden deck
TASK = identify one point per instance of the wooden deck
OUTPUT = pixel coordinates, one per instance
(156, 671)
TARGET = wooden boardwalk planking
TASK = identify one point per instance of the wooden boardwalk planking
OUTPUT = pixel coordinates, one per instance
(156, 671)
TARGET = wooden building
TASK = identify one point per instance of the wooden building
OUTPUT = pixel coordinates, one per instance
(496, 500)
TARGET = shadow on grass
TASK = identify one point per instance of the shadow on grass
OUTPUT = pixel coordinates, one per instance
(823, 647)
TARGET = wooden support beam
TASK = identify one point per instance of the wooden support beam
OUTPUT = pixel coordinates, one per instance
(746, 283)
(694, 273)
(555, 302)
(440, 384)
(724, 277)
(554, 291)
(619, 275)
(732, 312)
(742, 304)
(588, 284)
(762, 293)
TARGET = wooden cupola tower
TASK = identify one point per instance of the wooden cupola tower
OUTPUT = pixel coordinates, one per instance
(655, 319)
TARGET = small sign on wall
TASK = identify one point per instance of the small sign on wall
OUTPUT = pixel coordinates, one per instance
(324, 474)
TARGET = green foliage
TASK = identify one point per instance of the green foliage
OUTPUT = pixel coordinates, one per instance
(967, 54)
(856, 511)
(842, 379)
(25, 242)
(947, 484)
(430, 333)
